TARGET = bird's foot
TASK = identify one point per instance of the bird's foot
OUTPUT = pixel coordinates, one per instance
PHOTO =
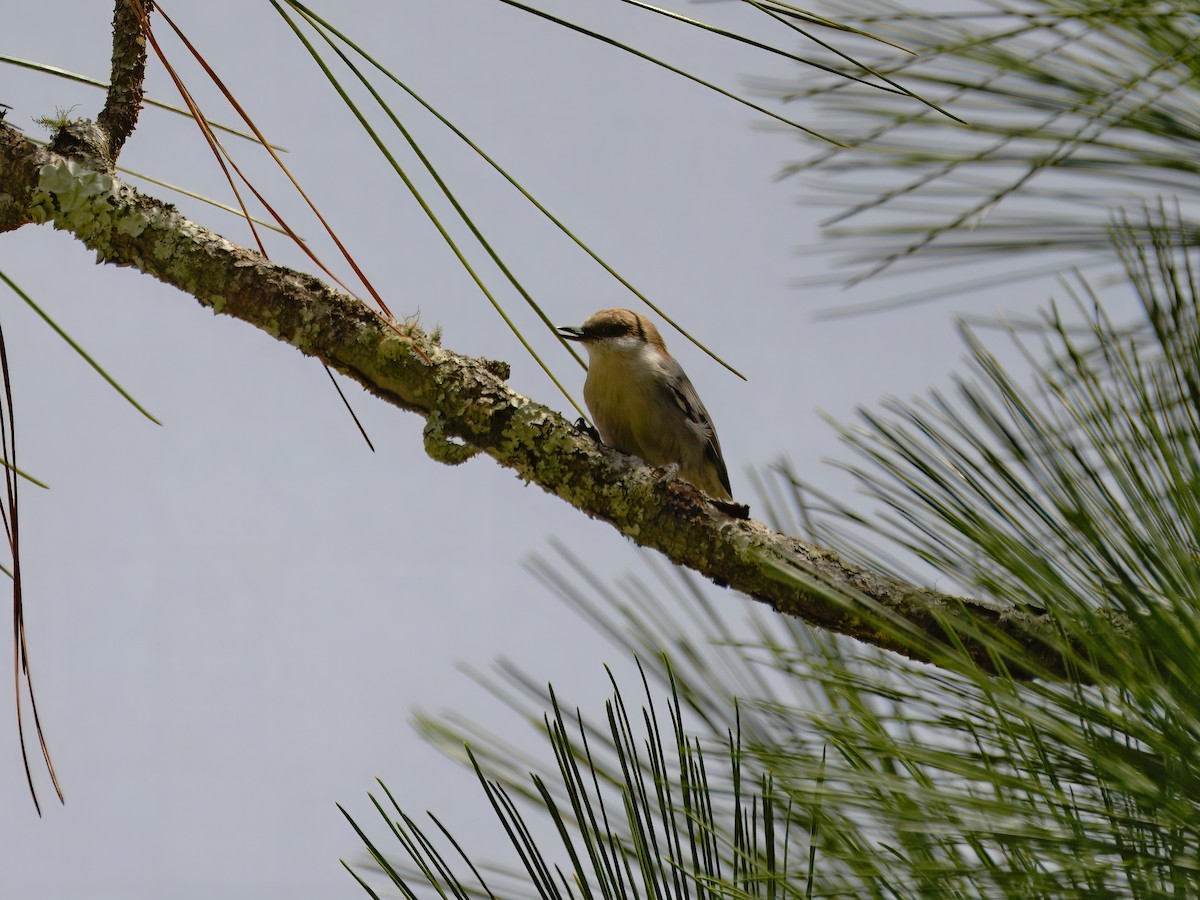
(589, 429)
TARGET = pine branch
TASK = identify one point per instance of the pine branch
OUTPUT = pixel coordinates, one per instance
(124, 101)
(468, 409)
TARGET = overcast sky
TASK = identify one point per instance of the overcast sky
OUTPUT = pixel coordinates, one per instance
(231, 616)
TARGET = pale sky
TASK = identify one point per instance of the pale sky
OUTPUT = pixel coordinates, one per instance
(232, 616)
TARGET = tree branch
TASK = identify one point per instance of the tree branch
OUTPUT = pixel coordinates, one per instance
(124, 102)
(469, 408)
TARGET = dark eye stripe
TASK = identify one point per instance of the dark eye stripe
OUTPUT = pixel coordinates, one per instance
(607, 330)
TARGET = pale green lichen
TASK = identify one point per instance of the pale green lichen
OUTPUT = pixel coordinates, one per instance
(532, 429)
(390, 348)
(442, 447)
(83, 201)
(133, 224)
(165, 246)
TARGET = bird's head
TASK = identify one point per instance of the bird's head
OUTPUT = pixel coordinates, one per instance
(615, 331)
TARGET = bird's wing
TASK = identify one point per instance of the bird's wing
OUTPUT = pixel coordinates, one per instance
(689, 401)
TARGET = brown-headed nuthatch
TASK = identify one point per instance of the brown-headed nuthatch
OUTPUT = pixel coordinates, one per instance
(643, 402)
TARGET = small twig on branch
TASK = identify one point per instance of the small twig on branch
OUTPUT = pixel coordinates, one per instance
(124, 100)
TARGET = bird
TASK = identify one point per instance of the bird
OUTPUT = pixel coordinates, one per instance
(643, 403)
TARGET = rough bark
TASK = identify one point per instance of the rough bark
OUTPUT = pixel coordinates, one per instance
(124, 101)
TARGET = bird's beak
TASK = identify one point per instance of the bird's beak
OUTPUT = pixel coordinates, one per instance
(571, 332)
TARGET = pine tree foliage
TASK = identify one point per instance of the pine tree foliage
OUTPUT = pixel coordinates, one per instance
(1068, 111)
(1073, 487)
